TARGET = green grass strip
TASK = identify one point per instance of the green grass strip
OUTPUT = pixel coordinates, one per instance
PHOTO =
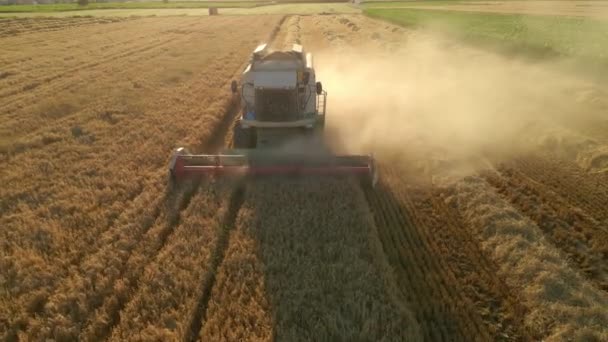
(538, 36)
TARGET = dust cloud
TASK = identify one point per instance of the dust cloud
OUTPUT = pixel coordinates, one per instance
(436, 102)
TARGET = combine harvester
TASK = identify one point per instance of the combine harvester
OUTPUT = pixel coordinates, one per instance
(281, 128)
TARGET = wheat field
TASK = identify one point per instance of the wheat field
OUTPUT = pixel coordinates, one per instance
(510, 245)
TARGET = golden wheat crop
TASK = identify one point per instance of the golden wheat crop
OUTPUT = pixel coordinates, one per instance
(83, 209)
(95, 246)
(302, 258)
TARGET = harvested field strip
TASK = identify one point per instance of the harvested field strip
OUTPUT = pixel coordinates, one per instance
(287, 35)
(274, 39)
(428, 286)
(167, 297)
(570, 229)
(560, 303)
(150, 136)
(588, 191)
(312, 270)
(493, 300)
(475, 274)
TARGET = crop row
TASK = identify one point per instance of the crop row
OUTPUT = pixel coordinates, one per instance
(171, 288)
(304, 263)
(569, 228)
(424, 268)
(585, 190)
(560, 303)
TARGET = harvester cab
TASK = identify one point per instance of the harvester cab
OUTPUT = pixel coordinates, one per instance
(280, 128)
(280, 97)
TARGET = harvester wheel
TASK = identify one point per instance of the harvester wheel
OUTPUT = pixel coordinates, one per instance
(243, 138)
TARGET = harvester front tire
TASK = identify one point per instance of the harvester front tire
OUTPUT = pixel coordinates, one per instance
(243, 138)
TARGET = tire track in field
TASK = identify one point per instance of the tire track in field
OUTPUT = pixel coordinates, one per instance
(275, 31)
(428, 286)
(228, 224)
(567, 227)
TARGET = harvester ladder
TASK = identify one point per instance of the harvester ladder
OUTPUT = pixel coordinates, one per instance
(322, 103)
